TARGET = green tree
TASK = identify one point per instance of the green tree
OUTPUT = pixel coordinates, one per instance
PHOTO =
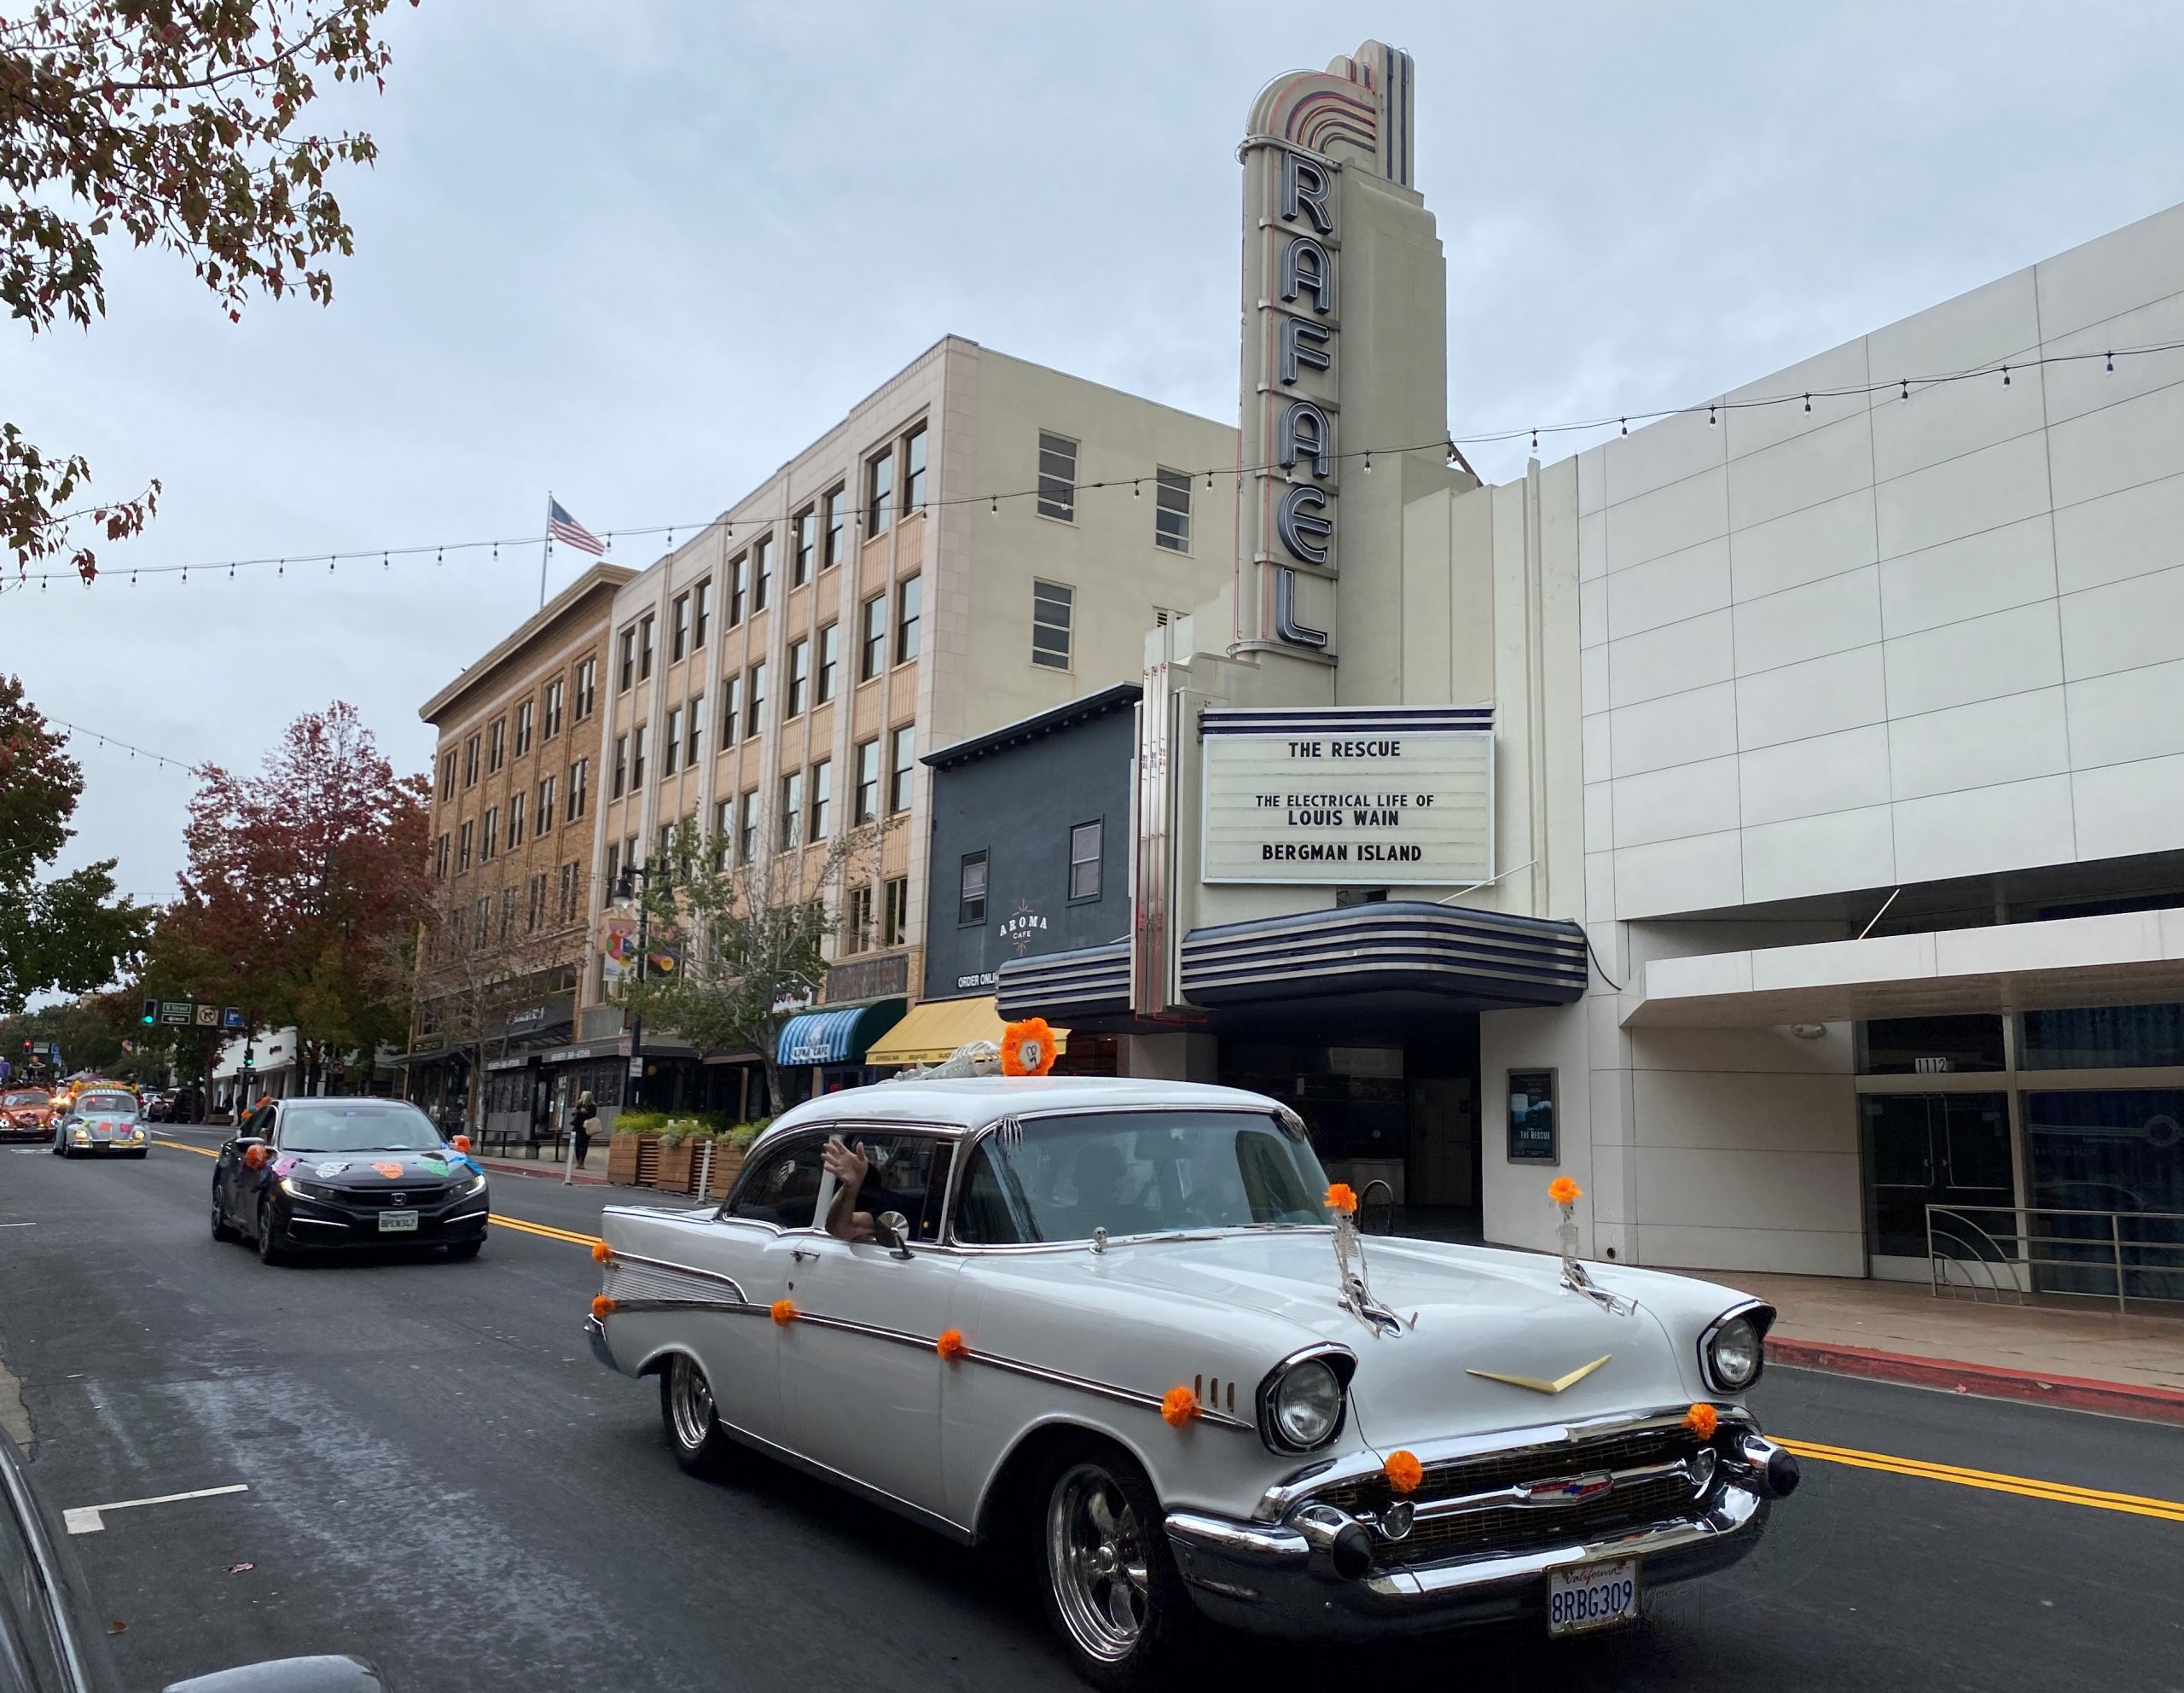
(170, 123)
(68, 932)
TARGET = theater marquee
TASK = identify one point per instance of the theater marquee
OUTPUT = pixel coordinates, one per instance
(1362, 796)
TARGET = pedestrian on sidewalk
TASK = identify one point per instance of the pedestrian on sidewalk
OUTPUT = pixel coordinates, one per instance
(580, 1120)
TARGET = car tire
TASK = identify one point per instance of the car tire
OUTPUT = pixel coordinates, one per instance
(141, 1152)
(1112, 1589)
(465, 1250)
(223, 1230)
(270, 1250)
(686, 1409)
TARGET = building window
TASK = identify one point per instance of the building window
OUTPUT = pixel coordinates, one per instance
(489, 842)
(1051, 607)
(804, 530)
(613, 866)
(762, 571)
(545, 803)
(629, 857)
(535, 912)
(523, 728)
(496, 744)
(515, 819)
(822, 800)
(724, 833)
(671, 743)
(701, 612)
(679, 629)
(830, 643)
(571, 881)
(626, 658)
(907, 597)
(972, 906)
(644, 647)
(694, 737)
(873, 657)
(579, 774)
(746, 834)
(638, 736)
(879, 495)
(621, 767)
(587, 688)
(439, 856)
(447, 776)
(463, 849)
(856, 921)
(799, 678)
(790, 830)
(868, 781)
(731, 710)
(838, 523)
(755, 716)
(1084, 844)
(895, 927)
(914, 471)
(902, 766)
(739, 583)
(507, 913)
(1171, 511)
(470, 762)
(554, 695)
(1057, 477)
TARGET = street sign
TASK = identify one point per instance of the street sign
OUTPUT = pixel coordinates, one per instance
(177, 1011)
(230, 1017)
(208, 1017)
(637, 1067)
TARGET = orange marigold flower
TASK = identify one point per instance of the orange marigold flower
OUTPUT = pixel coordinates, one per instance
(950, 1345)
(1404, 1472)
(1564, 1191)
(1178, 1405)
(784, 1311)
(1340, 1198)
(600, 1251)
(1702, 1419)
(1027, 1048)
(602, 1307)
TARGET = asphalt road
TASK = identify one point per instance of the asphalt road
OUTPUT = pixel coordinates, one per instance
(440, 1478)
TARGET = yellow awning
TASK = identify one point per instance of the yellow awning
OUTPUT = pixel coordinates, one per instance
(932, 1031)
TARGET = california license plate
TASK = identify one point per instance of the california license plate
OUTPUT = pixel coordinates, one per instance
(1587, 1596)
(397, 1222)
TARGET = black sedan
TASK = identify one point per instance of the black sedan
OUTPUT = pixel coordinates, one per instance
(316, 1174)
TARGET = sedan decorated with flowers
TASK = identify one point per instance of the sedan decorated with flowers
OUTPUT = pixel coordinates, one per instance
(25, 1113)
(1130, 1329)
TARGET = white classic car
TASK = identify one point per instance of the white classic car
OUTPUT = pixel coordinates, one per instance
(1117, 1322)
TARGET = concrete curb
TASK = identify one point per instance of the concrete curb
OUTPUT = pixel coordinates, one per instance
(1988, 1380)
(537, 1172)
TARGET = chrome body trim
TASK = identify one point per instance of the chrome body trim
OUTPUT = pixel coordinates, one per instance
(1523, 1496)
(1339, 1358)
(595, 1333)
(1106, 1390)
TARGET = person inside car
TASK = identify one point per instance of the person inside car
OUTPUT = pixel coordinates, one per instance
(868, 1185)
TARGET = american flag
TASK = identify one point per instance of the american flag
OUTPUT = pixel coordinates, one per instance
(566, 529)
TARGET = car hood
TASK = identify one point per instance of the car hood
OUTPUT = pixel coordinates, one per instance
(1464, 1310)
(375, 1169)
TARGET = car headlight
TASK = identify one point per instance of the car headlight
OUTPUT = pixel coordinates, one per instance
(317, 1190)
(1731, 1351)
(1301, 1401)
(475, 1184)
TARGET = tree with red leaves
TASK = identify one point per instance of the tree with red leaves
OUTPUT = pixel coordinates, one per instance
(297, 880)
(173, 123)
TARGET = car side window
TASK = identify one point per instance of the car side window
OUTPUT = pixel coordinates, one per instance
(782, 1186)
(984, 1215)
(908, 1173)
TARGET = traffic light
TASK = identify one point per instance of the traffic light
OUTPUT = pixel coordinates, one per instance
(150, 1014)
(249, 1062)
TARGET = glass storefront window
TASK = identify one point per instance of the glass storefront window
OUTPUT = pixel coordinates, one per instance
(2103, 1037)
(1904, 1046)
(1937, 1148)
(2110, 1150)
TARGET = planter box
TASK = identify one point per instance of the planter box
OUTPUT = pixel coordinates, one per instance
(671, 1173)
(625, 1154)
(727, 1164)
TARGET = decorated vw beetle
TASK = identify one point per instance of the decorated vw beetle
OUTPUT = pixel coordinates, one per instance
(1129, 1326)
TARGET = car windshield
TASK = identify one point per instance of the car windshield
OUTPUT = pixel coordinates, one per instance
(23, 1099)
(329, 1128)
(106, 1105)
(1135, 1172)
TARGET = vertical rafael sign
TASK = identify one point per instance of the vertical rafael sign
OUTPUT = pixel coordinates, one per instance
(1344, 348)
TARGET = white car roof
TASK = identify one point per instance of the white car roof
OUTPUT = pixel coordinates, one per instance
(973, 1102)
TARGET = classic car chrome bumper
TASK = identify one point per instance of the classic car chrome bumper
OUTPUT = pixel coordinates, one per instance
(1286, 1578)
(595, 1332)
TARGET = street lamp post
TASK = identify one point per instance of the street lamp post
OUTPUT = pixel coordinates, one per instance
(624, 889)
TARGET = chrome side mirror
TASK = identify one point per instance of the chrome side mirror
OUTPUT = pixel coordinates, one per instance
(892, 1229)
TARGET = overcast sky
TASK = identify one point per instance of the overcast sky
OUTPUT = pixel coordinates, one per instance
(642, 254)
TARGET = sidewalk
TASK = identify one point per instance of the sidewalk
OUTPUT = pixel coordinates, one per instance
(592, 1171)
(1897, 1331)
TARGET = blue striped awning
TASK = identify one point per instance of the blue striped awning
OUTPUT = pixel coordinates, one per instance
(839, 1036)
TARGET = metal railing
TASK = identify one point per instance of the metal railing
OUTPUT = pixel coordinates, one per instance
(2012, 1253)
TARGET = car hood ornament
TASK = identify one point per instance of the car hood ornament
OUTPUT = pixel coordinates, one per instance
(1354, 1293)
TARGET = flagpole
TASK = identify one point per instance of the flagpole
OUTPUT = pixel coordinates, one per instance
(545, 549)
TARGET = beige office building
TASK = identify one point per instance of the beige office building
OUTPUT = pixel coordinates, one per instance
(978, 540)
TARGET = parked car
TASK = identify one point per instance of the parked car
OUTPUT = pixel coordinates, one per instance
(101, 1120)
(303, 1175)
(50, 1639)
(1171, 1373)
(25, 1113)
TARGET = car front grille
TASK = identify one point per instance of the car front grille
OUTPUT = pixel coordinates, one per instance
(380, 1199)
(1518, 1528)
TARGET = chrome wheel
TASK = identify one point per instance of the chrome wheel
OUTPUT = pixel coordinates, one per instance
(1097, 1564)
(690, 1403)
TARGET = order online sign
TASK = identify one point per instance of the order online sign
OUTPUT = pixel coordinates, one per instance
(1363, 796)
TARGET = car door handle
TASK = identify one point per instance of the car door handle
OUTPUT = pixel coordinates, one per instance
(799, 1254)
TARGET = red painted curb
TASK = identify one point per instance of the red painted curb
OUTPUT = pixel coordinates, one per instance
(2077, 1393)
(502, 1166)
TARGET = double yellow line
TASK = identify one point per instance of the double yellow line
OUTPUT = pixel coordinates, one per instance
(2028, 1488)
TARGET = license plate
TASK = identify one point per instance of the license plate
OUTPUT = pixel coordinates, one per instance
(1592, 1596)
(397, 1222)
